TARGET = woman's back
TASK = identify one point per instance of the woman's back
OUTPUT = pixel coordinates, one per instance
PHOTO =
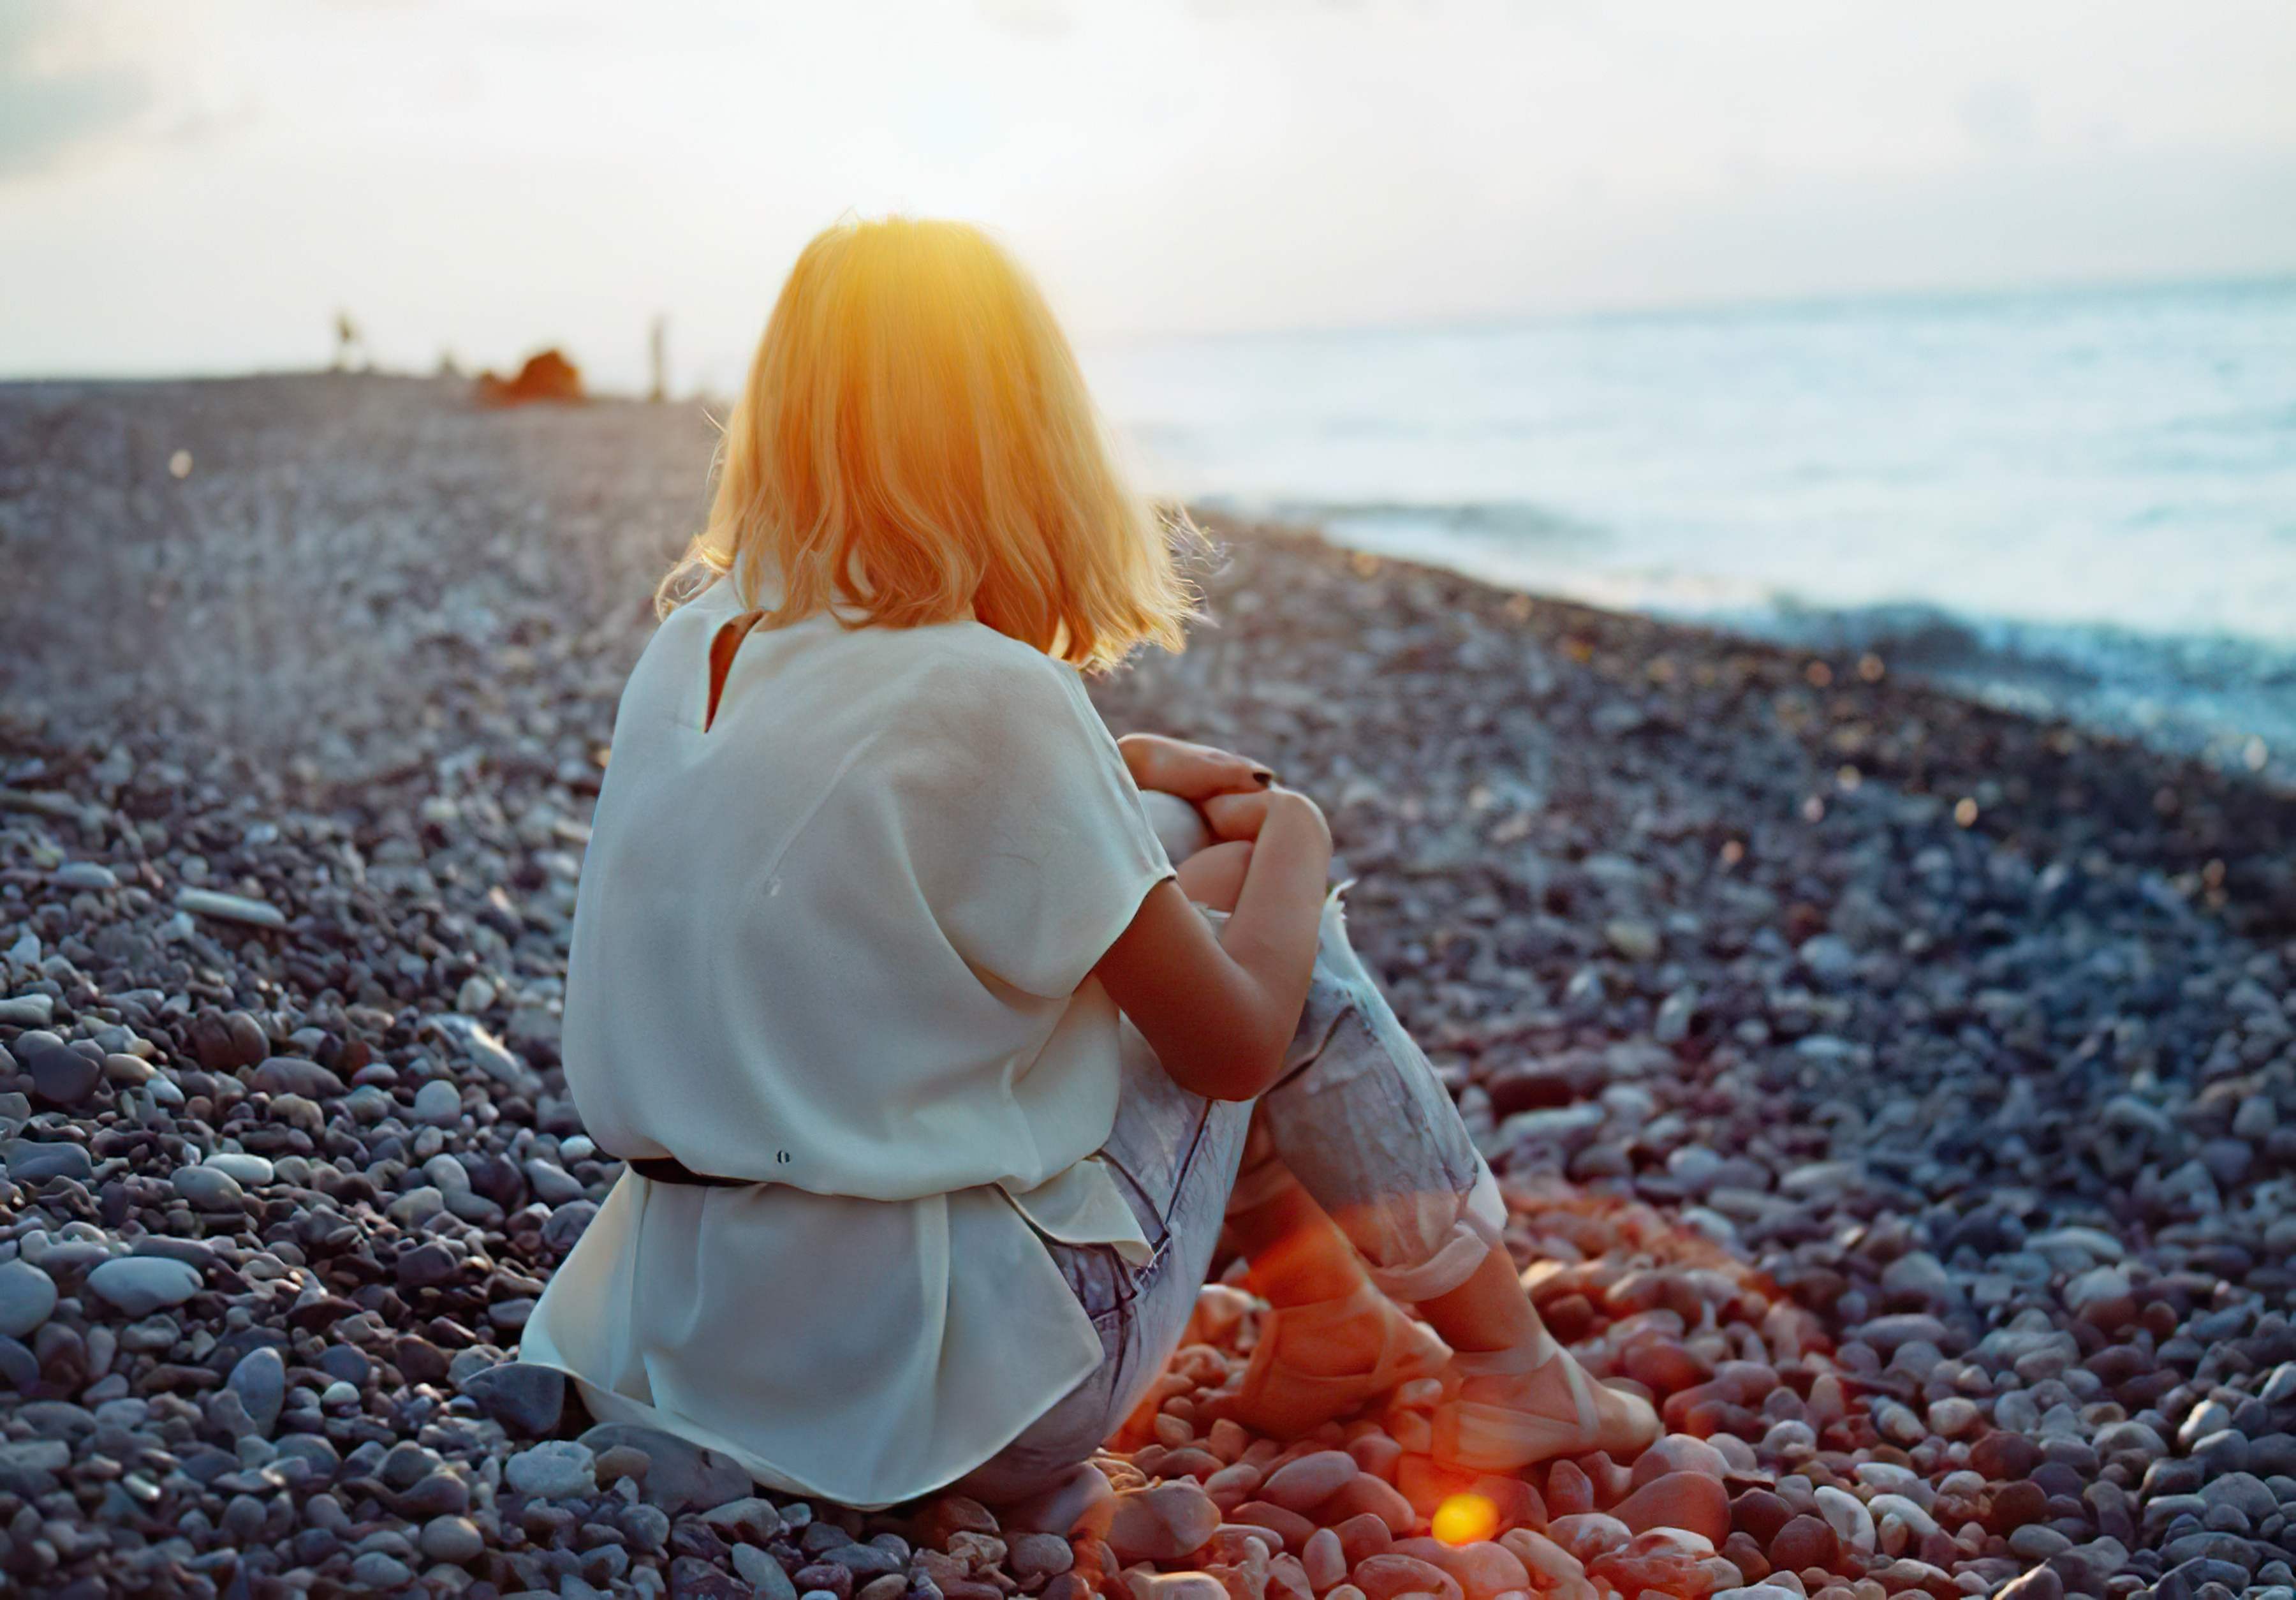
(856, 960)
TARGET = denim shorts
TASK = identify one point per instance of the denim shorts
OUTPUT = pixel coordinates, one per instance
(1362, 1122)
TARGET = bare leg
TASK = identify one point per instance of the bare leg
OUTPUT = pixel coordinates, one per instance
(1300, 1257)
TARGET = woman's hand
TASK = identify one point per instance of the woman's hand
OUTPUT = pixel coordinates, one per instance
(1194, 772)
(1234, 817)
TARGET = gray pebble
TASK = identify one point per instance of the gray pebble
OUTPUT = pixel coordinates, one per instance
(61, 1075)
(452, 1539)
(259, 1379)
(251, 1171)
(28, 1298)
(38, 1162)
(209, 1188)
(439, 1104)
(140, 1285)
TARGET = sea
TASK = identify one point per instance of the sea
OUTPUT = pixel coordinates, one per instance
(2080, 505)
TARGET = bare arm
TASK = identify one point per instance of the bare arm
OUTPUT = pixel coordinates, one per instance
(1220, 1010)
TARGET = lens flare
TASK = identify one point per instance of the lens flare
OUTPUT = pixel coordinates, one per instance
(1465, 1519)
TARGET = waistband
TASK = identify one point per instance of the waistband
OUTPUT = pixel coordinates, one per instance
(669, 1169)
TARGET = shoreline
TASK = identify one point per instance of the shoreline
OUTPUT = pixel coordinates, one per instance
(1974, 1133)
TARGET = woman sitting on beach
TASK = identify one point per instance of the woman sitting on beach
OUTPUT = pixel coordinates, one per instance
(937, 1081)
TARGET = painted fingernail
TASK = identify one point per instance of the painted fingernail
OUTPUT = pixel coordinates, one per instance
(1262, 776)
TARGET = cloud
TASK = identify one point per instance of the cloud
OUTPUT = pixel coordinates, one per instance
(62, 92)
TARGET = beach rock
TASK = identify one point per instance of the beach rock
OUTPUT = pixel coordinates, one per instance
(140, 1285)
(259, 1380)
(242, 1166)
(1039, 1554)
(230, 907)
(41, 1162)
(1569, 1490)
(294, 1075)
(1686, 1499)
(2004, 1458)
(61, 1075)
(522, 1397)
(1846, 1514)
(1485, 1569)
(1679, 1453)
(1362, 1535)
(1590, 1535)
(1162, 1523)
(556, 1469)
(208, 1189)
(455, 1539)
(1385, 1576)
(1805, 1541)
(1306, 1482)
(1325, 1560)
(28, 1298)
(438, 1104)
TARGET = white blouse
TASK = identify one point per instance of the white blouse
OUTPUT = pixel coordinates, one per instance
(840, 942)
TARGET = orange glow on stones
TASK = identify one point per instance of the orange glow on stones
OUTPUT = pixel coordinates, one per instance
(1465, 1519)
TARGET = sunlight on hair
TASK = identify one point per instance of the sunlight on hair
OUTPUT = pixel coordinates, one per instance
(915, 446)
(1465, 1519)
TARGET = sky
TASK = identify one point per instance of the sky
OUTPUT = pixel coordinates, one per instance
(199, 189)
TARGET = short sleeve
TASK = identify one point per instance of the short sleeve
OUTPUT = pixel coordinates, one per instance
(1026, 833)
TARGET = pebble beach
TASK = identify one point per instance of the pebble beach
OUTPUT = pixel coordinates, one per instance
(1902, 1093)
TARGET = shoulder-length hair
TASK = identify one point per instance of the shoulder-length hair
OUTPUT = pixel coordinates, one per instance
(915, 439)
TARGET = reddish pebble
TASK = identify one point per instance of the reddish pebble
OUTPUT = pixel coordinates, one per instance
(1287, 1578)
(1384, 1576)
(1363, 1537)
(1747, 1556)
(1568, 1491)
(1485, 1569)
(1569, 1317)
(1304, 1484)
(2016, 1505)
(1232, 1486)
(1362, 1493)
(1590, 1534)
(1376, 1453)
(1611, 1480)
(1291, 1529)
(1630, 1573)
(1231, 1545)
(1678, 1452)
(1806, 1542)
(1760, 1513)
(1515, 1500)
(1687, 1500)
(1542, 1555)
(1162, 1523)
(1661, 1365)
(1324, 1558)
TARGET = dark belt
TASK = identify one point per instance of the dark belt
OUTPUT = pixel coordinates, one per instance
(669, 1169)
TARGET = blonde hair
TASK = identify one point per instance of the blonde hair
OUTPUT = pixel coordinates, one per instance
(914, 438)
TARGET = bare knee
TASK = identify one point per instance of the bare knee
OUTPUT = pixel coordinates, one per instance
(1214, 877)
